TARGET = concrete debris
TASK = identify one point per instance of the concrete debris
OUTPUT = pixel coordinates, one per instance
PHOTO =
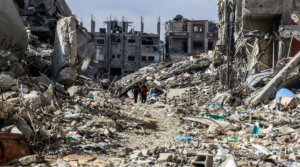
(214, 109)
(12, 33)
(65, 51)
(6, 82)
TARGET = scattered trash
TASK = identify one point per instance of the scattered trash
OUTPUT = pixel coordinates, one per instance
(256, 130)
(232, 139)
(184, 138)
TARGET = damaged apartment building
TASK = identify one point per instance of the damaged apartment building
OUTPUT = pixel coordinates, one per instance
(186, 37)
(257, 36)
(122, 51)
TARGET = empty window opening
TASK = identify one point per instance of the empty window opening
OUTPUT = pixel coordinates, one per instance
(131, 58)
(198, 28)
(116, 39)
(144, 58)
(210, 46)
(131, 40)
(184, 28)
(198, 44)
(147, 41)
(151, 58)
(100, 41)
(118, 56)
(115, 71)
(113, 56)
(185, 46)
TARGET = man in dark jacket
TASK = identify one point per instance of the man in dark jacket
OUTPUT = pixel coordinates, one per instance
(136, 91)
(144, 91)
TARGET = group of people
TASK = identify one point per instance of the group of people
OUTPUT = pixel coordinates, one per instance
(140, 90)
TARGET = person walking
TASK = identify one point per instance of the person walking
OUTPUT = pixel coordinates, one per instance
(144, 91)
(136, 91)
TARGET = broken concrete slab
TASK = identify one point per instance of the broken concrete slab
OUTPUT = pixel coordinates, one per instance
(290, 31)
(65, 50)
(13, 36)
(271, 88)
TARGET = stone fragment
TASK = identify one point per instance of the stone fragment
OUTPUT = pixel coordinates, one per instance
(75, 91)
(67, 76)
(136, 155)
(7, 110)
(25, 161)
(17, 70)
(33, 99)
(7, 81)
(165, 157)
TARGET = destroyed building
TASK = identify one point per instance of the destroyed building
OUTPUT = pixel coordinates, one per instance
(224, 109)
(41, 16)
(45, 21)
(257, 35)
(122, 51)
(186, 37)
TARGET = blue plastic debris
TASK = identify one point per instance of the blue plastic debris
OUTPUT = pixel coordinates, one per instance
(244, 112)
(151, 96)
(184, 138)
(283, 92)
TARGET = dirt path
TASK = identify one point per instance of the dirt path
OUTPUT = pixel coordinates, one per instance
(168, 127)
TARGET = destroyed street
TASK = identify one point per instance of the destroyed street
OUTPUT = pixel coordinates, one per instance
(223, 94)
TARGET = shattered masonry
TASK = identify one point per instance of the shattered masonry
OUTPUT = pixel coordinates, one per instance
(237, 105)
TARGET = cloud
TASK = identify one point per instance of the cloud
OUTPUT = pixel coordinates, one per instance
(132, 10)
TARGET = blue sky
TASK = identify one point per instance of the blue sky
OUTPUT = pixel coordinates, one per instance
(132, 10)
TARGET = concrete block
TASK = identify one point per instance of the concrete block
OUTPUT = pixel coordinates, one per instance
(165, 157)
(202, 161)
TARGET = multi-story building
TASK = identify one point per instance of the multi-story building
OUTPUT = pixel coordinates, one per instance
(185, 37)
(121, 51)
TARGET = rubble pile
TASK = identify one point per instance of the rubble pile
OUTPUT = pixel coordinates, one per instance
(165, 76)
(197, 113)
